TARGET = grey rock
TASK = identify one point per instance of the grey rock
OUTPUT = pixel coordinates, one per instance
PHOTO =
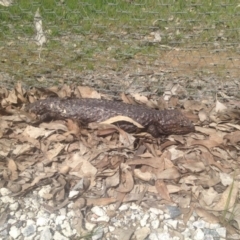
(174, 211)
(59, 236)
(46, 234)
(98, 234)
(29, 230)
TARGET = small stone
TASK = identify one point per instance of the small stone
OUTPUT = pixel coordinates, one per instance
(155, 224)
(63, 211)
(23, 217)
(73, 194)
(46, 234)
(59, 220)
(71, 214)
(5, 191)
(192, 219)
(199, 224)
(30, 222)
(98, 211)
(198, 234)
(167, 216)
(153, 236)
(174, 211)
(153, 216)
(41, 221)
(143, 221)
(186, 233)
(124, 207)
(14, 232)
(59, 236)
(90, 226)
(208, 237)
(98, 234)
(31, 215)
(142, 233)
(111, 228)
(14, 206)
(172, 223)
(12, 221)
(29, 230)
(68, 232)
(156, 211)
(214, 225)
(103, 219)
(134, 206)
(18, 214)
(7, 199)
(222, 232)
(45, 190)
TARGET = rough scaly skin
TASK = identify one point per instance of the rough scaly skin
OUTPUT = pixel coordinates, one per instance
(88, 110)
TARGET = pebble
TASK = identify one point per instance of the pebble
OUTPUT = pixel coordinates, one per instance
(199, 224)
(14, 232)
(98, 211)
(60, 219)
(98, 234)
(14, 206)
(142, 233)
(7, 199)
(28, 220)
(172, 223)
(5, 192)
(156, 211)
(198, 234)
(58, 236)
(155, 224)
(29, 230)
(41, 221)
(46, 234)
(143, 221)
(222, 232)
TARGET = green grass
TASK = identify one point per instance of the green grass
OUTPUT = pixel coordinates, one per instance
(95, 25)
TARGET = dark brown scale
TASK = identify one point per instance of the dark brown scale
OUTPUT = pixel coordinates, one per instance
(88, 110)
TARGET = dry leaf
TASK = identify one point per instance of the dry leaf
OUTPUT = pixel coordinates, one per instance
(162, 190)
(228, 198)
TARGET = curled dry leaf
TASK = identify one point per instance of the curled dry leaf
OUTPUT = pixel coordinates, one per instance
(145, 176)
(194, 166)
(13, 169)
(207, 196)
(121, 118)
(57, 148)
(162, 190)
(144, 100)
(228, 198)
(206, 216)
(233, 137)
(170, 173)
(87, 92)
(35, 132)
(127, 182)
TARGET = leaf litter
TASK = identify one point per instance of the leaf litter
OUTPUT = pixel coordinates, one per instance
(101, 164)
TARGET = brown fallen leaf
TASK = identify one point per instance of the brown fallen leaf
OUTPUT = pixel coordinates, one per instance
(206, 216)
(233, 137)
(228, 198)
(88, 92)
(170, 173)
(127, 183)
(145, 176)
(162, 190)
(13, 169)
